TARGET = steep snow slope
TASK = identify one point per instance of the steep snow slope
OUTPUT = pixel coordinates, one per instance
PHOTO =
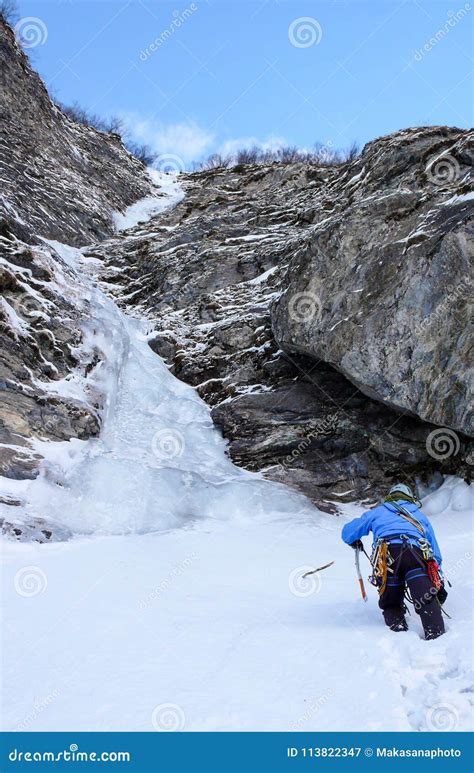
(210, 627)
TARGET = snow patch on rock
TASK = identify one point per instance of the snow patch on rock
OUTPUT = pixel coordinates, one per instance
(169, 192)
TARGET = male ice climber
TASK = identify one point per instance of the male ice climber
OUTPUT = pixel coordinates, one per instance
(405, 553)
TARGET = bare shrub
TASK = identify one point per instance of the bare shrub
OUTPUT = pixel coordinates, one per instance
(85, 117)
(9, 11)
(249, 156)
(113, 125)
(352, 153)
(142, 152)
(321, 155)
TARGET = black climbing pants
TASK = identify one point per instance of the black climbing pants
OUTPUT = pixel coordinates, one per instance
(410, 568)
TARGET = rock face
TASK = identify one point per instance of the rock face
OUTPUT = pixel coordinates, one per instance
(60, 179)
(46, 364)
(207, 274)
(319, 310)
(37, 530)
(381, 288)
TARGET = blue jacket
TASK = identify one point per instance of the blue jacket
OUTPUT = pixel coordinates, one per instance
(384, 520)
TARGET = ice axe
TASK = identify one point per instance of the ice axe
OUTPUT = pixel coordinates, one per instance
(359, 574)
(319, 569)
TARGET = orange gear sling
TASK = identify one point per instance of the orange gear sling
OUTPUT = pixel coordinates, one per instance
(380, 563)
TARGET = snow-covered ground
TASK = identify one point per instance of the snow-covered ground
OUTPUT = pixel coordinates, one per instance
(210, 627)
(180, 603)
(169, 193)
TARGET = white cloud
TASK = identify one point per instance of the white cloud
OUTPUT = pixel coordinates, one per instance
(188, 141)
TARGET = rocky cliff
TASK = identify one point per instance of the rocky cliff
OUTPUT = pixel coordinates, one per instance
(47, 360)
(63, 181)
(60, 179)
(320, 310)
(227, 278)
(382, 287)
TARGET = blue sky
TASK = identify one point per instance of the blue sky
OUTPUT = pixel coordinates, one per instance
(232, 72)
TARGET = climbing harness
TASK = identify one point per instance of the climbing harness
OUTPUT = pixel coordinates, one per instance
(431, 563)
(426, 549)
(383, 563)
